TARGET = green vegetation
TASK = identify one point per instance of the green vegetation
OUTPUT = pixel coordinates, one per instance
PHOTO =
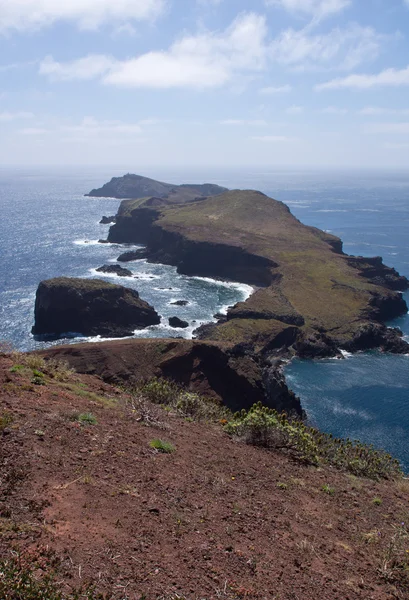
(86, 419)
(377, 501)
(6, 419)
(187, 404)
(162, 446)
(327, 489)
(262, 426)
(32, 578)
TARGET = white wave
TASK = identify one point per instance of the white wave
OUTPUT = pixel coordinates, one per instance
(158, 289)
(346, 354)
(339, 409)
(110, 275)
(146, 276)
(86, 242)
(247, 290)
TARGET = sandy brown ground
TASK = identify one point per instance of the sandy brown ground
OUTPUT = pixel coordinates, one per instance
(213, 519)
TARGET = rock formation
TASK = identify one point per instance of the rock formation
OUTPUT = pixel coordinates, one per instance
(116, 269)
(178, 323)
(90, 307)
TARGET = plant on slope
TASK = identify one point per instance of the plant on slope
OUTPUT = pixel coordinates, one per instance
(263, 426)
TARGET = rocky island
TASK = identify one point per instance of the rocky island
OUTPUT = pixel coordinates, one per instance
(89, 307)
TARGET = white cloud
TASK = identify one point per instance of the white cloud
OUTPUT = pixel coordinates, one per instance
(89, 67)
(400, 128)
(387, 78)
(21, 15)
(91, 128)
(251, 122)
(318, 9)
(342, 49)
(271, 90)
(294, 110)
(375, 111)
(14, 116)
(271, 138)
(202, 61)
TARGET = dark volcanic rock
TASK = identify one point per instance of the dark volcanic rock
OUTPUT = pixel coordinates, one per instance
(90, 307)
(120, 271)
(380, 274)
(180, 303)
(176, 322)
(316, 345)
(132, 255)
(376, 335)
(107, 220)
(238, 379)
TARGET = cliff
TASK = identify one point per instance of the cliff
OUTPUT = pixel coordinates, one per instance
(311, 297)
(90, 307)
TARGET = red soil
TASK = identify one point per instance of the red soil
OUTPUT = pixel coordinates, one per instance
(213, 519)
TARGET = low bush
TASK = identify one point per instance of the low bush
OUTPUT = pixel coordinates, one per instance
(262, 426)
(162, 446)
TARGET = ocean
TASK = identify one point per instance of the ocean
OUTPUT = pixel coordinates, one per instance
(50, 229)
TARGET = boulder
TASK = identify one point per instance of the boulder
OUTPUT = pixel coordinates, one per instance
(132, 255)
(107, 220)
(116, 269)
(176, 322)
(180, 303)
(90, 307)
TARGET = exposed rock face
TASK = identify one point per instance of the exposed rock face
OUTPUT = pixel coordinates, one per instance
(90, 307)
(136, 186)
(373, 268)
(107, 220)
(116, 269)
(178, 323)
(132, 255)
(237, 377)
(180, 303)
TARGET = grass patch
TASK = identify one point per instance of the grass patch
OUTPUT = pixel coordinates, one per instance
(6, 419)
(377, 501)
(162, 446)
(327, 489)
(262, 426)
(86, 419)
(33, 578)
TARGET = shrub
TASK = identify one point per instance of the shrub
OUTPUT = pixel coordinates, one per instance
(263, 426)
(162, 446)
(189, 404)
(87, 419)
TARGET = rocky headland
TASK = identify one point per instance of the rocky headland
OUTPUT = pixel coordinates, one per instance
(89, 307)
(311, 299)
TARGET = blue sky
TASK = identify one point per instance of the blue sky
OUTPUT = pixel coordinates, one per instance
(205, 82)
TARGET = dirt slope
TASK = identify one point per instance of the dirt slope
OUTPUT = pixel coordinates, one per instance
(213, 519)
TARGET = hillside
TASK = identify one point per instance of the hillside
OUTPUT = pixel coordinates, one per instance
(304, 279)
(137, 186)
(84, 494)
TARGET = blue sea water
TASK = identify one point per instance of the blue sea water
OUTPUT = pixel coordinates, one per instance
(49, 229)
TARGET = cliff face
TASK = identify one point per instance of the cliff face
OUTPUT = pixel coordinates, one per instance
(90, 307)
(305, 280)
(234, 376)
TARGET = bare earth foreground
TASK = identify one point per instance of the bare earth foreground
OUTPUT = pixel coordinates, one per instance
(82, 490)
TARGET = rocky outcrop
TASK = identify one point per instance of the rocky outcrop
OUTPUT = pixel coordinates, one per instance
(180, 303)
(115, 269)
(178, 323)
(107, 220)
(136, 186)
(132, 255)
(90, 307)
(373, 268)
(236, 377)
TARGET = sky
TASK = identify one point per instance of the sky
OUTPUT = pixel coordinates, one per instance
(229, 83)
